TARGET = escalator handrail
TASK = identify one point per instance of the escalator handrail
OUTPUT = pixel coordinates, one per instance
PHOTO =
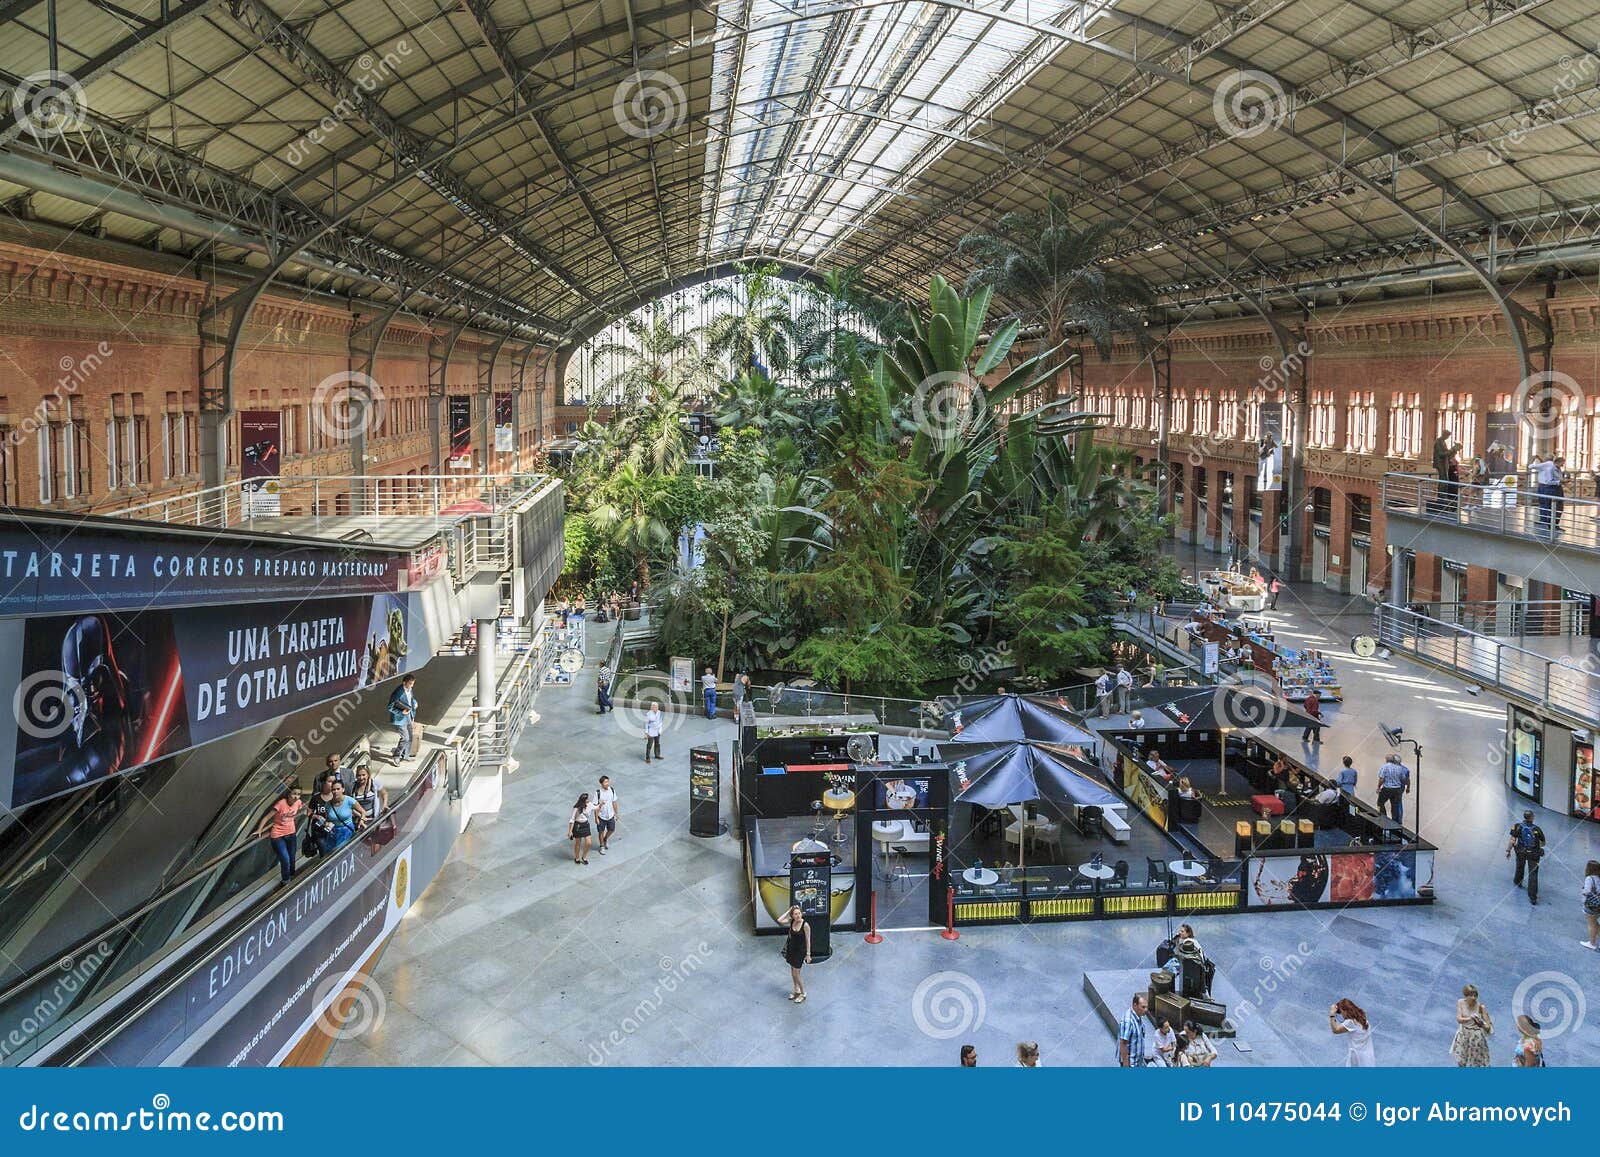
(123, 922)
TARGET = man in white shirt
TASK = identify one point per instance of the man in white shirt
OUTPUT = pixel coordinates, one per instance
(1102, 695)
(1124, 689)
(606, 811)
(652, 732)
(1136, 721)
(708, 687)
(1547, 480)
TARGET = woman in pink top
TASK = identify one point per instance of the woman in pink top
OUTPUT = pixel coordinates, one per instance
(279, 825)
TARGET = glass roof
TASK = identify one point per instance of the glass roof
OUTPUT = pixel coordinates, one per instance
(832, 113)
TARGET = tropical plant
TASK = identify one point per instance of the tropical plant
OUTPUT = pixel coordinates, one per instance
(1057, 276)
(756, 329)
(657, 352)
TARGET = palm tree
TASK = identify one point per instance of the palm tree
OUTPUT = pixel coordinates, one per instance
(757, 328)
(755, 400)
(623, 515)
(655, 352)
(1056, 275)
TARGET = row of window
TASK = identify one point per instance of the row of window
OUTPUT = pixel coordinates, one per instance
(1392, 423)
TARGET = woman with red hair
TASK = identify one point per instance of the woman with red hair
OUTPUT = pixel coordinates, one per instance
(1347, 1019)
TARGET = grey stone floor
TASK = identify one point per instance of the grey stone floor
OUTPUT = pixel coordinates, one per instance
(517, 956)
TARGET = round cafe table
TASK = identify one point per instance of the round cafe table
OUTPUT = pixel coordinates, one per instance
(1190, 869)
(885, 833)
(1101, 872)
(981, 877)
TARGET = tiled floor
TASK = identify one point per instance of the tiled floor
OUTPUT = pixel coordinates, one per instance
(517, 956)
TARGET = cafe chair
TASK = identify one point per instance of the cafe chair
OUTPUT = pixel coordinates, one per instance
(1120, 878)
(1157, 875)
(1215, 871)
(1091, 822)
(901, 876)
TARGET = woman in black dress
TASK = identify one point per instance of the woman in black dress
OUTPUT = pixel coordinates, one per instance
(796, 949)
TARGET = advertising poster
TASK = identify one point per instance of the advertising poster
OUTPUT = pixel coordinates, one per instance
(1269, 453)
(1279, 881)
(505, 434)
(96, 695)
(902, 795)
(89, 569)
(1526, 760)
(682, 674)
(1394, 875)
(1350, 878)
(1584, 802)
(260, 460)
(460, 431)
(1504, 435)
(1210, 658)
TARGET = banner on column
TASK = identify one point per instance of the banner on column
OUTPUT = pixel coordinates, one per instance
(260, 460)
(460, 431)
(1505, 437)
(1269, 454)
(96, 695)
(505, 434)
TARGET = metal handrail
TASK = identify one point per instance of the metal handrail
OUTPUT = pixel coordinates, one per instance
(1569, 688)
(1516, 509)
(1511, 618)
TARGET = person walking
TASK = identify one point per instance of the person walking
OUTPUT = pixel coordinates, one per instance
(1394, 783)
(1348, 775)
(606, 812)
(1130, 1035)
(278, 825)
(578, 829)
(652, 731)
(796, 949)
(708, 688)
(1347, 1019)
(402, 715)
(740, 690)
(1558, 501)
(1442, 450)
(602, 689)
(1273, 591)
(1591, 903)
(1028, 1055)
(1527, 844)
(969, 1056)
(1102, 694)
(1124, 689)
(1473, 1030)
(1313, 708)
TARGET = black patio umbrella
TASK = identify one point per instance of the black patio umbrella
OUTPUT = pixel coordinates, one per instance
(1006, 718)
(993, 775)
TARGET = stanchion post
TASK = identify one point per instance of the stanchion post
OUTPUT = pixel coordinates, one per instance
(950, 932)
(873, 937)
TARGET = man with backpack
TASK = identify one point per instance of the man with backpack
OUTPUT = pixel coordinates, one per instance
(402, 715)
(1527, 842)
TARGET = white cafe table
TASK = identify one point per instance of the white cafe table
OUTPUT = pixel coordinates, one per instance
(1191, 869)
(981, 877)
(1100, 872)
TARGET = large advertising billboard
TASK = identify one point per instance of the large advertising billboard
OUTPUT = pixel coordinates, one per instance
(95, 695)
(505, 434)
(1269, 453)
(93, 569)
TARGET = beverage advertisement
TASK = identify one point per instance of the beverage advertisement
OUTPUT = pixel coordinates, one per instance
(99, 694)
(1527, 759)
(260, 458)
(1269, 452)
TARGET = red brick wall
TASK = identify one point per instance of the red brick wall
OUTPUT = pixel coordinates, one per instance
(93, 339)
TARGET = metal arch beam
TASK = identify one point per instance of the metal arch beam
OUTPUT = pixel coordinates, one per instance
(486, 361)
(574, 43)
(441, 347)
(650, 150)
(523, 90)
(409, 151)
(171, 19)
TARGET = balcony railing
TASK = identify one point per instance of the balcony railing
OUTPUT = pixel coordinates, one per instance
(1572, 688)
(1513, 619)
(1515, 510)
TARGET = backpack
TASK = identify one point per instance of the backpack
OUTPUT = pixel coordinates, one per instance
(1527, 838)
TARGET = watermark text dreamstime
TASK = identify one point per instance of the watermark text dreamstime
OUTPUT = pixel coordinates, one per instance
(674, 974)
